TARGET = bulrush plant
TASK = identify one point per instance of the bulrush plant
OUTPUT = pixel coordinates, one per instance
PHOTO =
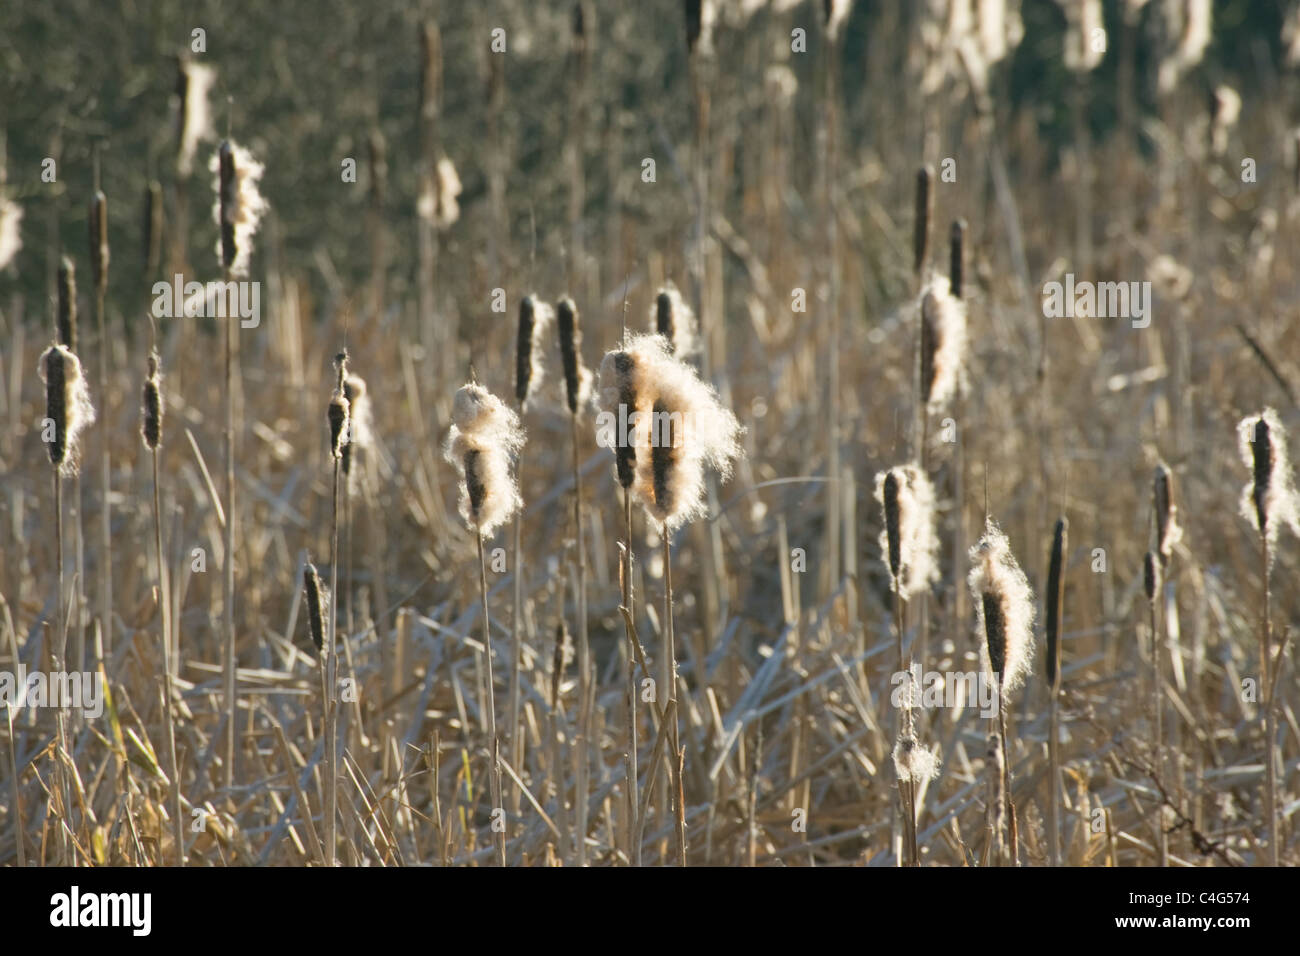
(673, 319)
(1268, 502)
(1004, 611)
(151, 418)
(338, 417)
(99, 258)
(67, 413)
(485, 436)
(1052, 632)
(686, 431)
(238, 212)
(577, 393)
(535, 320)
(622, 387)
(910, 548)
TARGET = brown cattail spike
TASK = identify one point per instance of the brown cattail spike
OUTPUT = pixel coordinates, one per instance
(315, 605)
(956, 258)
(995, 633)
(1150, 576)
(664, 315)
(228, 200)
(924, 206)
(1166, 512)
(1056, 600)
(929, 346)
(625, 453)
(524, 349)
(67, 316)
(56, 405)
(570, 348)
(99, 241)
(694, 23)
(152, 408)
(892, 524)
(1263, 452)
(338, 409)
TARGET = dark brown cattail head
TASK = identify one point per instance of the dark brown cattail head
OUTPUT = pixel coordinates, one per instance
(475, 487)
(151, 408)
(694, 24)
(570, 349)
(1262, 447)
(152, 227)
(1166, 513)
(924, 208)
(663, 458)
(338, 408)
(56, 404)
(625, 452)
(956, 257)
(99, 241)
(1056, 600)
(892, 524)
(664, 316)
(524, 349)
(557, 663)
(995, 632)
(315, 605)
(228, 198)
(67, 316)
(1150, 576)
(929, 345)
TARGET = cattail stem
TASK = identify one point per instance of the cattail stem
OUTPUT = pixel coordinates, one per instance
(675, 741)
(585, 682)
(164, 599)
(634, 842)
(1010, 811)
(331, 683)
(493, 742)
(105, 477)
(56, 665)
(1267, 694)
(228, 562)
(516, 652)
(1157, 706)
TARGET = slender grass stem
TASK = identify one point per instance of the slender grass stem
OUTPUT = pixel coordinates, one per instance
(493, 742)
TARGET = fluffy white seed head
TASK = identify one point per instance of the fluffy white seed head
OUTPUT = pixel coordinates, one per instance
(913, 761)
(1168, 531)
(11, 217)
(195, 118)
(945, 316)
(485, 435)
(915, 566)
(1271, 494)
(1007, 618)
(68, 408)
(672, 318)
(248, 208)
(437, 203)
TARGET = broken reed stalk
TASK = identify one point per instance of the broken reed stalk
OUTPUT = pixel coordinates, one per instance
(633, 770)
(1264, 465)
(99, 258)
(674, 740)
(1055, 608)
(1151, 586)
(494, 745)
(151, 432)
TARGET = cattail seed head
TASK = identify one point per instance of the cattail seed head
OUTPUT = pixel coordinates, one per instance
(485, 435)
(316, 600)
(672, 318)
(67, 314)
(694, 23)
(535, 318)
(943, 344)
(625, 398)
(1056, 599)
(1168, 531)
(924, 209)
(908, 540)
(912, 761)
(194, 121)
(577, 378)
(359, 419)
(1270, 500)
(67, 405)
(338, 411)
(239, 208)
(1150, 576)
(151, 411)
(1004, 608)
(99, 241)
(956, 258)
(11, 239)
